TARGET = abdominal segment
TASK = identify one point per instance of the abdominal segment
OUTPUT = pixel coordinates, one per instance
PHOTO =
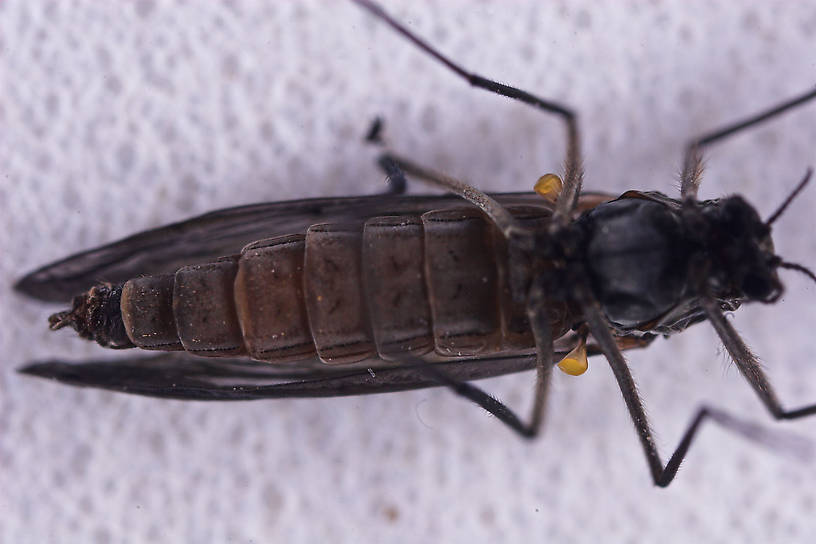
(438, 283)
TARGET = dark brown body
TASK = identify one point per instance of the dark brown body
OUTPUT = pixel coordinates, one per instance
(395, 285)
(361, 280)
(346, 292)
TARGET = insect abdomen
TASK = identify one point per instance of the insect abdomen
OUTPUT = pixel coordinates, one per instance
(343, 292)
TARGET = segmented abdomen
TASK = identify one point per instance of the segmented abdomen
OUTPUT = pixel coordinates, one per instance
(345, 293)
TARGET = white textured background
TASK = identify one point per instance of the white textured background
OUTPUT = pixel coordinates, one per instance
(116, 117)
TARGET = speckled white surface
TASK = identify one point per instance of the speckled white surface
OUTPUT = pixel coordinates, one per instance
(118, 117)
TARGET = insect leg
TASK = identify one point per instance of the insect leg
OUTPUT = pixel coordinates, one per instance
(542, 334)
(539, 320)
(692, 162)
(396, 167)
(749, 366)
(661, 475)
(374, 132)
(573, 170)
(495, 211)
(393, 175)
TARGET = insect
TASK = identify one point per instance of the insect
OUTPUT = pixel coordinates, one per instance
(609, 278)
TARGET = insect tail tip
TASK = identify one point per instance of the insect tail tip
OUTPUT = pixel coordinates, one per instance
(61, 319)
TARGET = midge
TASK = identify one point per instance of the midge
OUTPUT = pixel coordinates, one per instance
(347, 296)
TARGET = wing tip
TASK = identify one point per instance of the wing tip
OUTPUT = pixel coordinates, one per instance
(42, 286)
(47, 369)
(26, 285)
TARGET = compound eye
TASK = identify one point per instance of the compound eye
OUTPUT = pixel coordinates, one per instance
(742, 220)
(735, 220)
(760, 287)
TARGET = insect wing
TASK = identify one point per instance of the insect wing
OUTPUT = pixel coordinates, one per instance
(218, 233)
(181, 376)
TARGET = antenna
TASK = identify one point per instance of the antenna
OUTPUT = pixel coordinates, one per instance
(779, 211)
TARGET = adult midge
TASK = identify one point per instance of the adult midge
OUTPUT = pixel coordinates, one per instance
(330, 297)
